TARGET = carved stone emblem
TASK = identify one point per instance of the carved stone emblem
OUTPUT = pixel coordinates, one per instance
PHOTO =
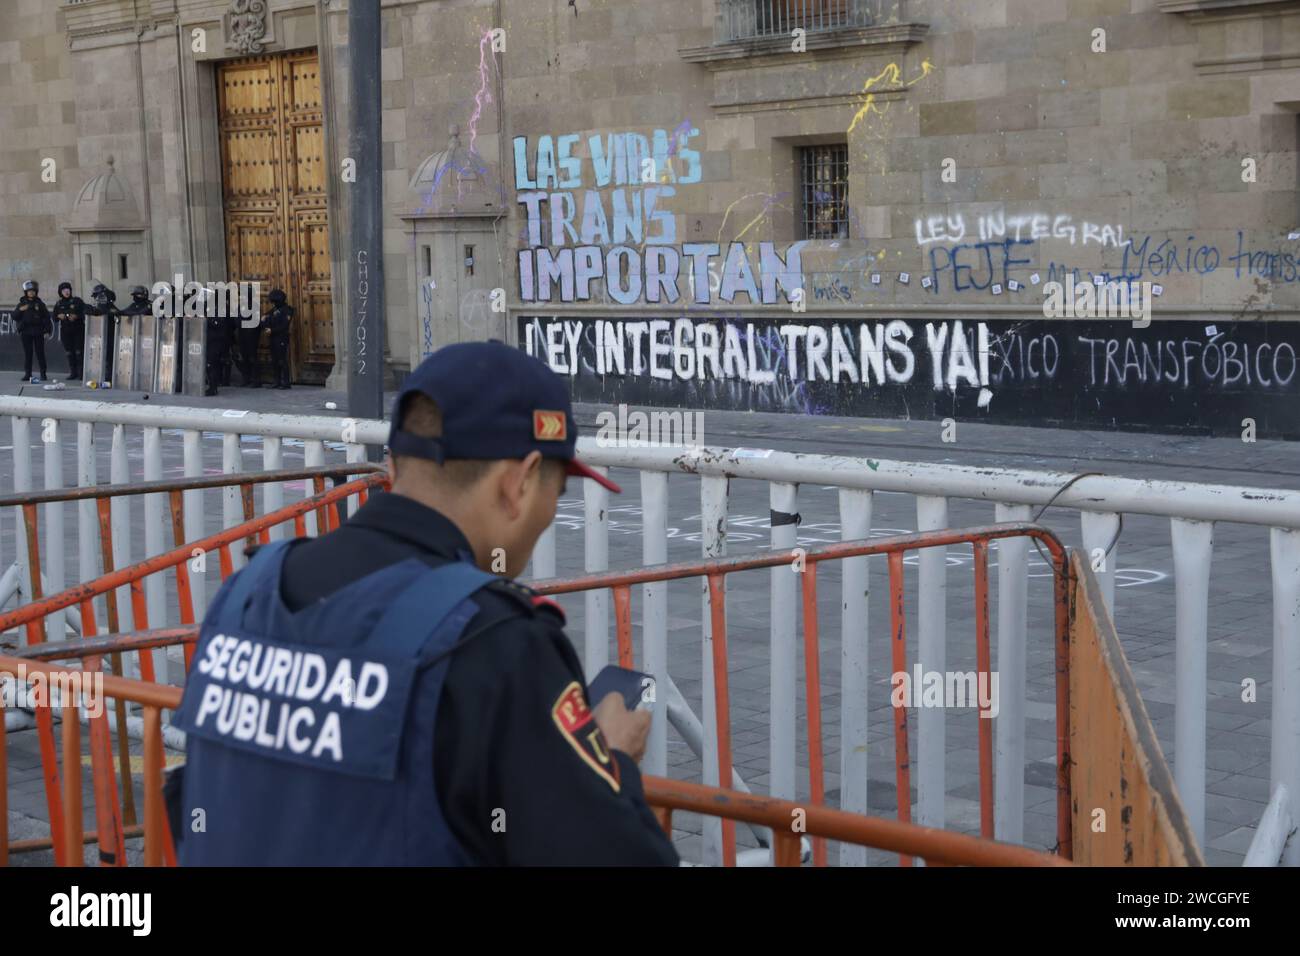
(246, 25)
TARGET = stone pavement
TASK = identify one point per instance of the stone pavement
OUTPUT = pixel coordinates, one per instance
(1240, 609)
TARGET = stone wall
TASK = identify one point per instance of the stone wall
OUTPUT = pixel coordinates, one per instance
(37, 122)
(1064, 160)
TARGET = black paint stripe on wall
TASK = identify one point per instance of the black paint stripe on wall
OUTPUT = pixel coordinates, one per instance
(1189, 377)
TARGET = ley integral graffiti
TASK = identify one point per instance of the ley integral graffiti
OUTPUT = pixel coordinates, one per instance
(1176, 376)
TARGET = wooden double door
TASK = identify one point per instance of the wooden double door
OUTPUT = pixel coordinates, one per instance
(273, 186)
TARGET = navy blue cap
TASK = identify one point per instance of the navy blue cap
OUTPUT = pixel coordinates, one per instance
(497, 402)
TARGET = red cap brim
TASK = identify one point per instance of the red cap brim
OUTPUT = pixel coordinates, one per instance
(575, 467)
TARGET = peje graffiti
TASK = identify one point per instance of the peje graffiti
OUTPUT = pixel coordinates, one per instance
(1176, 376)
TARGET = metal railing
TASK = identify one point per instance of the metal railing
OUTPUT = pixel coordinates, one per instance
(717, 746)
(1013, 495)
(666, 796)
(716, 661)
(935, 847)
(757, 19)
(67, 832)
(35, 616)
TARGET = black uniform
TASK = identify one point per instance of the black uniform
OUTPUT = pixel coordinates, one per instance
(34, 324)
(70, 312)
(105, 305)
(231, 327)
(496, 743)
(140, 304)
(278, 321)
(250, 340)
(217, 351)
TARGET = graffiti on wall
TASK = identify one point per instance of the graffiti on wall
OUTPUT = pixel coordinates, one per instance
(599, 224)
(1184, 376)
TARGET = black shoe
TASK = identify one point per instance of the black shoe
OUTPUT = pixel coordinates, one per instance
(253, 385)
(210, 392)
(71, 377)
(26, 378)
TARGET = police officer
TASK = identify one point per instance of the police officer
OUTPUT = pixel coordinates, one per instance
(277, 321)
(232, 325)
(70, 312)
(377, 696)
(105, 301)
(140, 303)
(33, 326)
(250, 341)
(216, 334)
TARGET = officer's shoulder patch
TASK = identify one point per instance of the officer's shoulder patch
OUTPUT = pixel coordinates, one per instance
(578, 725)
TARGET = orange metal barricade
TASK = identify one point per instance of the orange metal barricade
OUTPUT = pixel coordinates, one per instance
(31, 617)
(937, 847)
(67, 835)
(620, 583)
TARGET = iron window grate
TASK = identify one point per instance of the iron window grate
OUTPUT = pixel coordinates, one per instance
(824, 186)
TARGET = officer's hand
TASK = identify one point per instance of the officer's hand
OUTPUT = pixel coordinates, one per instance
(625, 730)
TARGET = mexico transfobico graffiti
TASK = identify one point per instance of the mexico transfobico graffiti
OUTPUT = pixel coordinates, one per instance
(620, 291)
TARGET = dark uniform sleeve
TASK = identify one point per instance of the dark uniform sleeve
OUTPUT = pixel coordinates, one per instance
(524, 774)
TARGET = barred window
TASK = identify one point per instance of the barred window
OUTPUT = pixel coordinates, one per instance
(824, 186)
(781, 16)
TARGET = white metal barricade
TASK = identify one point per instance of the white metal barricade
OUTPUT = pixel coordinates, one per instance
(1192, 510)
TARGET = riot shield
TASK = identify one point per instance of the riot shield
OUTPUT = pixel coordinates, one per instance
(96, 361)
(146, 337)
(124, 361)
(169, 364)
(192, 378)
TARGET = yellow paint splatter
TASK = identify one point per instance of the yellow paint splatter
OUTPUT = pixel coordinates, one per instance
(763, 213)
(895, 76)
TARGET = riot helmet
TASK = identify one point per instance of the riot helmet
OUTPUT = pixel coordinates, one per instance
(65, 285)
(277, 296)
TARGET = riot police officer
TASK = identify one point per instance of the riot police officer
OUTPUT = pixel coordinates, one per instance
(70, 312)
(105, 300)
(140, 302)
(277, 321)
(216, 333)
(232, 325)
(250, 341)
(436, 713)
(34, 325)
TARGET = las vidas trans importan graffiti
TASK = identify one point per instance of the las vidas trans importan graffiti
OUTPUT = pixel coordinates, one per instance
(599, 227)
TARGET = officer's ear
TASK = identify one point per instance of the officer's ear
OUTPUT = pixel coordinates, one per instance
(519, 481)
